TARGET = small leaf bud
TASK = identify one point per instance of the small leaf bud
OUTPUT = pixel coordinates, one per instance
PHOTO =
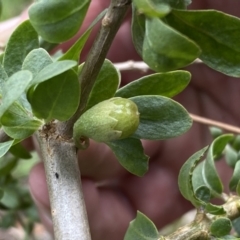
(112, 119)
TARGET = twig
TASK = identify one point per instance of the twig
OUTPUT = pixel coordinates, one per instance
(110, 25)
(210, 122)
(200, 227)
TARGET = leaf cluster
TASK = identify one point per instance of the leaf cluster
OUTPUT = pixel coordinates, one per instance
(37, 89)
(199, 183)
(16, 204)
(168, 37)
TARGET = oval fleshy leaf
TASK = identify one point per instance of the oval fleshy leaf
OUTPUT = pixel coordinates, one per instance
(11, 199)
(1, 193)
(58, 21)
(5, 146)
(221, 227)
(3, 78)
(57, 98)
(185, 176)
(130, 155)
(22, 41)
(141, 228)
(180, 4)
(203, 193)
(74, 52)
(7, 163)
(238, 189)
(228, 237)
(18, 150)
(18, 123)
(236, 143)
(14, 88)
(231, 156)
(152, 8)
(138, 29)
(235, 177)
(36, 60)
(165, 84)
(160, 118)
(23, 131)
(210, 174)
(52, 70)
(219, 42)
(164, 49)
(197, 177)
(215, 132)
(214, 209)
(106, 84)
(236, 227)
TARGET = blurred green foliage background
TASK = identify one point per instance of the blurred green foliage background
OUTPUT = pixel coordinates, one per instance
(11, 8)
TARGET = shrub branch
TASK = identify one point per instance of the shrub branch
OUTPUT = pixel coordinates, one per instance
(97, 54)
(58, 150)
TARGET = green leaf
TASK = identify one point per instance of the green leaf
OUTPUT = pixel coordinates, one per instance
(1, 57)
(216, 33)
(14, 88)
(221, 227)
(238, 189)
(4, 147)
(57, 98)
(106, 84)
(236, 143)
(210, 174)
(8, 220)
(180, 4)
(165, 84)
(11, 198)
(141, 228)
(138, 30)
(3, 78)
(52, 70)
(228, 237)
(23, 131)
(215, 132)
(236, 225)
(22, 41)
(152, 8)
(18, 150)
(235, 177)
(1, 193)
(58, 21)
(214, 209)
(74, 52)
(18, 123)
(36, 60)
(130, 155)
(185, 176)
(7, 163)
(203, 193)
(160, 118)
(197, 177)
(231, 156)
(164, 49)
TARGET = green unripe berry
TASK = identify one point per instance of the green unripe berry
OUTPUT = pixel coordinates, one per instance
(57, 20)
(112, 119)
